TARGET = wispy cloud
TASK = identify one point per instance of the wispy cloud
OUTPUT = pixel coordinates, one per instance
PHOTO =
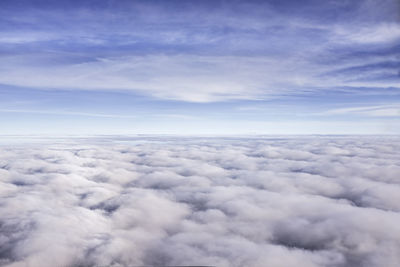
(68, 113)
(200, 55)
(371, 34)
(320, 55)
(373, 111)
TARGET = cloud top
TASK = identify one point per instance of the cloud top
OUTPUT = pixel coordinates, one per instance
(331, 201)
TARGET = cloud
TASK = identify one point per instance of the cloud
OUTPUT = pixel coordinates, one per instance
(197, 52)
(372, 111)
(67, 113)
(195, 78)
(382, 33)
(186, 78)
(321, 201)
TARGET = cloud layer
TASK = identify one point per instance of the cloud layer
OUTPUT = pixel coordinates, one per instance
(318, 201)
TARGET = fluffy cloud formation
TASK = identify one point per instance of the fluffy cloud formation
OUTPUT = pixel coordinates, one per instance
(318, 201)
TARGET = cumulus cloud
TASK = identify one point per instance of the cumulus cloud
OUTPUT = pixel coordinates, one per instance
(315, 201)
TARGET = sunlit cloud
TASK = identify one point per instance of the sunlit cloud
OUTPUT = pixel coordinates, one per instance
(123, 201)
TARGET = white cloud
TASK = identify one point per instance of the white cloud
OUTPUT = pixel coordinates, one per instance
(67, 113)
(187, 78)
(380, 33)
(184, 55)
(321, 201)
(190, 78)
(372, 111)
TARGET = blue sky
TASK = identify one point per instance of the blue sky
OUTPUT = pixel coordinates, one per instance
(200, 67)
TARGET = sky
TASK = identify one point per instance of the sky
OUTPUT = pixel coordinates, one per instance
(199, 67)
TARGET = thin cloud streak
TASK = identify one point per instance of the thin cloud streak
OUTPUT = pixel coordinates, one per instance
(68, 113)
(373, 111)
